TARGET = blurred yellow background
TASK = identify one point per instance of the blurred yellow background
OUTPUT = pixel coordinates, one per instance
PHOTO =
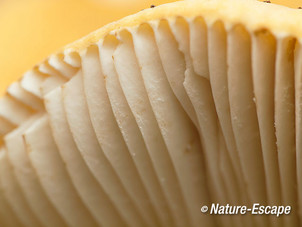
(33, 29)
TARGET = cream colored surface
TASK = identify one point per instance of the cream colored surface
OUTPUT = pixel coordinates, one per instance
(91, 192)
(27, 177)
(166, 111)
(53, 176)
